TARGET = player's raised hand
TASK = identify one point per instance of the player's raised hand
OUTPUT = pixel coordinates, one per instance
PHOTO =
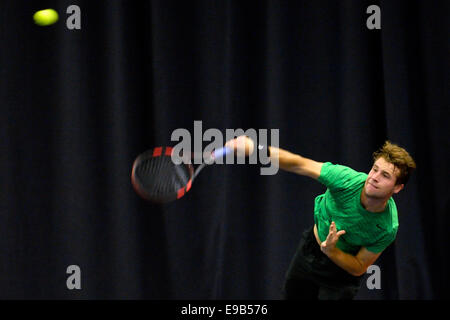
(242, 145)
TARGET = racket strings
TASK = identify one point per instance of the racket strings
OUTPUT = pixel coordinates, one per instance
(161, 177)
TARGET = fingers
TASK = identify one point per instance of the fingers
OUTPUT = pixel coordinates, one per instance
(332, 238)
(243, 145)
(231, 144)
(340, 233)
(333, 230)
(236, 143)
(332, 227)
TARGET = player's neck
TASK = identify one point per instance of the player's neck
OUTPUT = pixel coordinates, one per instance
(373, 204)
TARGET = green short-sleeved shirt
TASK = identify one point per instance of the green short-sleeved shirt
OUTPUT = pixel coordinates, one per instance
(341, 203)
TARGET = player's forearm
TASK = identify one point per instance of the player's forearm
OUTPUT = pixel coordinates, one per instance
(287, 160)
(346, 261)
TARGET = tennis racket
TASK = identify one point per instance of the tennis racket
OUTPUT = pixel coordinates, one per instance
(157, 178)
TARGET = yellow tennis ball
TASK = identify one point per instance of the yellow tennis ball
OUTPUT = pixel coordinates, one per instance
(45, 17)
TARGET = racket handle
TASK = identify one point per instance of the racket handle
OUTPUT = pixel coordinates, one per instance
(221, 152)
(214, 155)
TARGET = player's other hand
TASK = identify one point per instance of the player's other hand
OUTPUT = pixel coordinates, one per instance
(241, 145)
(330, 242)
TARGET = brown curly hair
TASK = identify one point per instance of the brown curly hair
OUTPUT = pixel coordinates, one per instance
(399, 157)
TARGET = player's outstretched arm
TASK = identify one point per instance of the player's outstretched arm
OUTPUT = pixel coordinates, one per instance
(286, 160)
(295, 163)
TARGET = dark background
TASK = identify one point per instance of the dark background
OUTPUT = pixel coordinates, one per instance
(77, 106)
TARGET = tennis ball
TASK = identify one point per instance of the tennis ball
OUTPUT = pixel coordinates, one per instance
(45, 17)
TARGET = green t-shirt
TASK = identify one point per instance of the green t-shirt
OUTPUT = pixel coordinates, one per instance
(341, 203)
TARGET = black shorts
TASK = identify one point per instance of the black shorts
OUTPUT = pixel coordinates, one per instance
(312, 275)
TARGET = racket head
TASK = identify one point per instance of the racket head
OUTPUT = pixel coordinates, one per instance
(155, 176)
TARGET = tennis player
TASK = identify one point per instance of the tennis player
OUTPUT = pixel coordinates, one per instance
(354, 220)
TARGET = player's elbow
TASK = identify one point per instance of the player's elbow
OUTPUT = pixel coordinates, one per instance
(308, 167)
(358, 273)
(291, 162)
(297, 165)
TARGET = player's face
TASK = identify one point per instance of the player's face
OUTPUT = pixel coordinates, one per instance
(381, 180)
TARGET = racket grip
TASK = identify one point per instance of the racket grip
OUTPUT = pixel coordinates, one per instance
(221, 152)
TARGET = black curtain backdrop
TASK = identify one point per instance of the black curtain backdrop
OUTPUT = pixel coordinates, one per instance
(77, 106)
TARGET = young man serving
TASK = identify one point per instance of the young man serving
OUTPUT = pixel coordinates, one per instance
(355, 220)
